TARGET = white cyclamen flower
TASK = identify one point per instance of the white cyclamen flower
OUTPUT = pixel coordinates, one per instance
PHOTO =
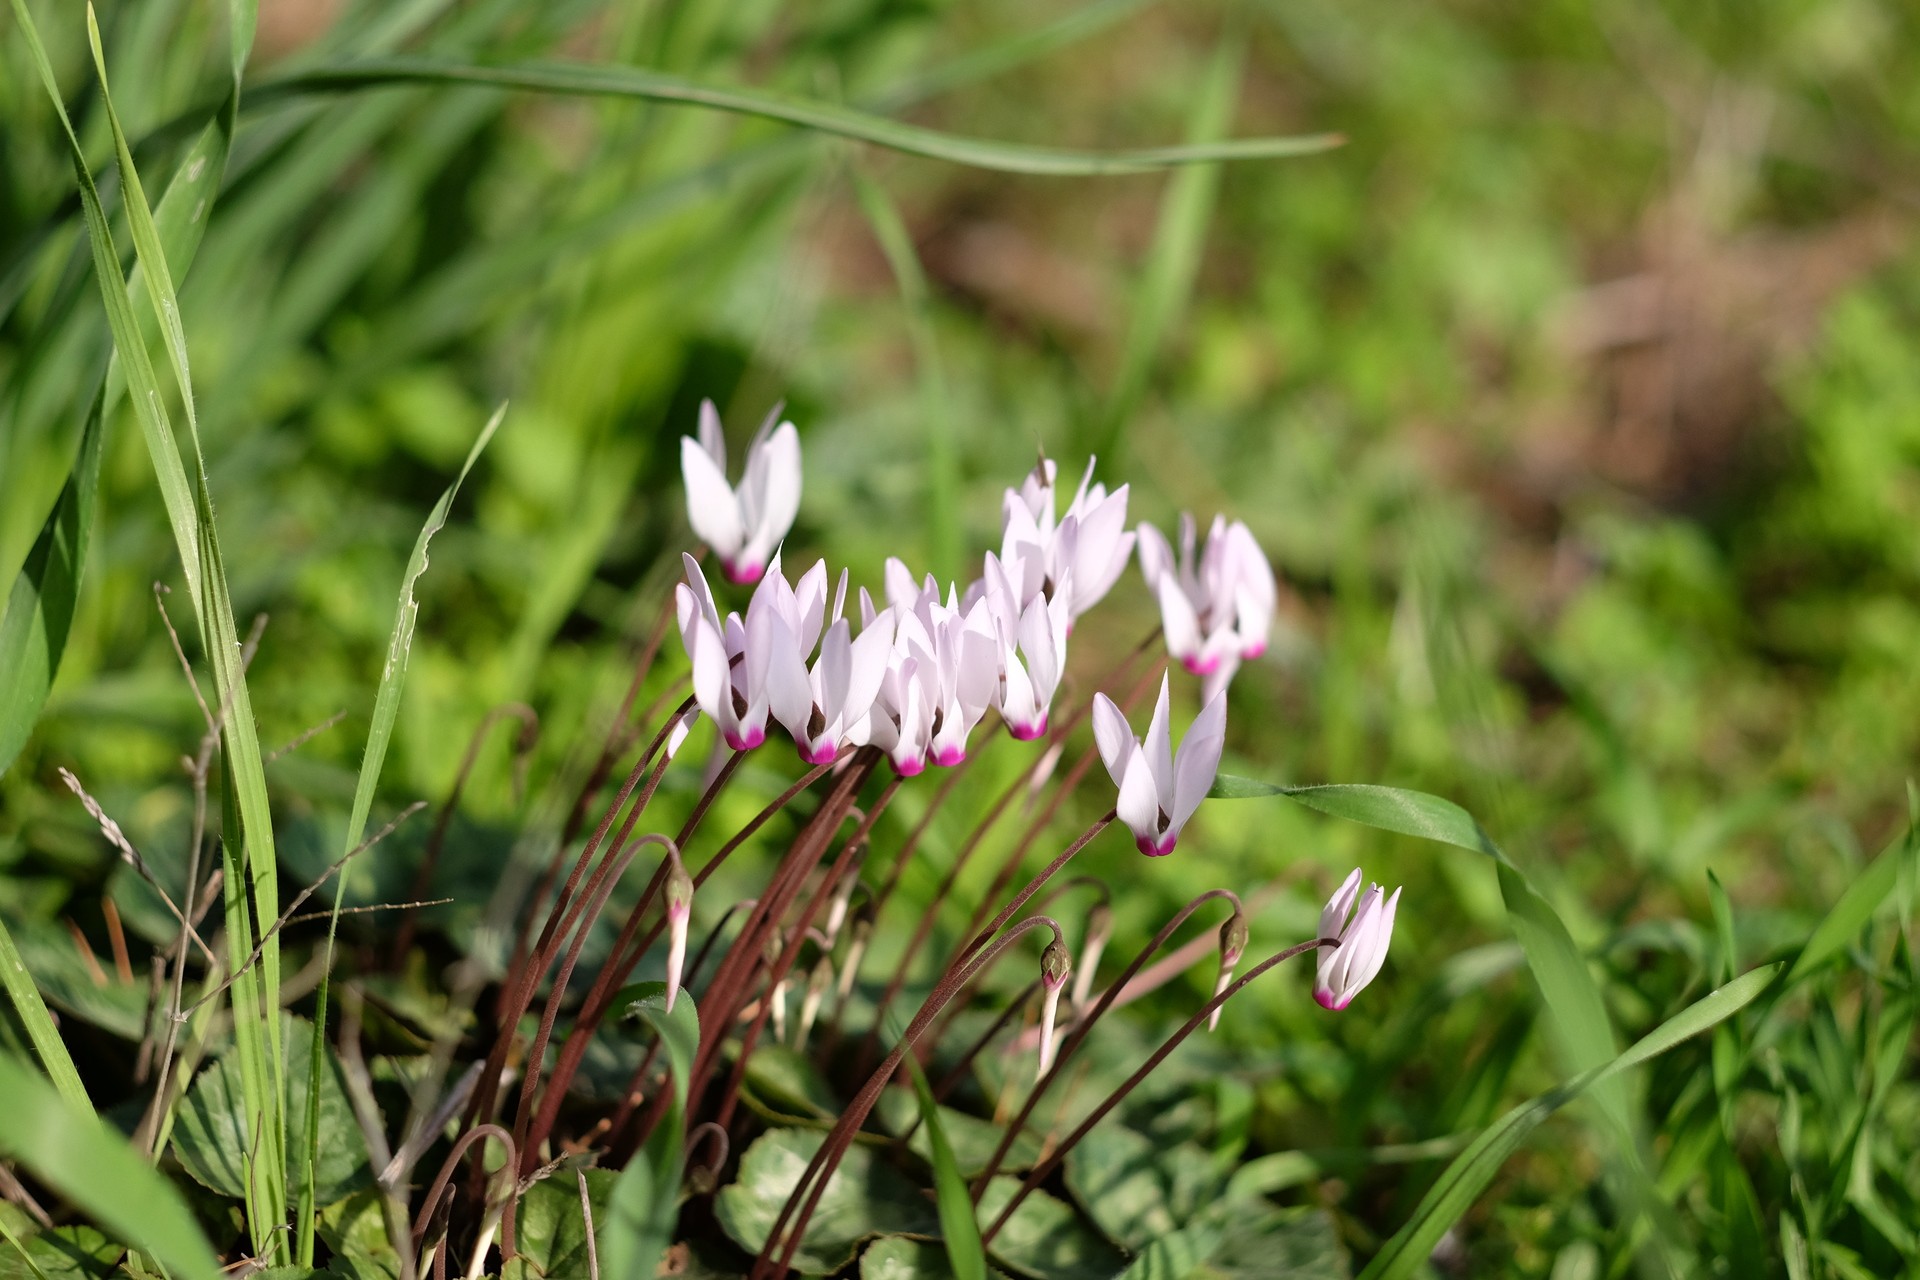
(1215, 611)
(1159, 790)
(733, 659)
(743, 525)
(1032, 650)
(823, 707)
(1080, 556)
(1363, 935)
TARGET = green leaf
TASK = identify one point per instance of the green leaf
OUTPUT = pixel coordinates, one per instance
(864, 1198)
(356, 1230)
(1045, 1238)
(971, 1139)
(1410, 813)
(64, 1253)
(91, 1165)
(898, 1258)
(660, 86)
(1136, 1189)
(644, 1206)
(1261, 1241)
(783, 1080)
(1463, 1180)
(550, 1233)
(213, 1143)
(39, 612)
(958, 1227)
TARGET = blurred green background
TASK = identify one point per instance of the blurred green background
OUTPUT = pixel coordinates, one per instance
(1575, 399)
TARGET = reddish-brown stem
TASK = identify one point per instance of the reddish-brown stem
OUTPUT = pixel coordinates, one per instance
(436, 839)
(725, 994)
(619, 964)
(1042, 1171)
(452, 1162)
(521, 984)
(729, 1098)
(819, 1171)
(1082, 1027)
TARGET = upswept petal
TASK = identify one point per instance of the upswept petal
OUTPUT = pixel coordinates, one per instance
(1114, 737)
(1333, 918)
(712, 685)
(778, 471)
(1177, 620)
(789, 692)
(1156, 554)
(1198, 761)
(712, 438)
(1157, 746)
(711, 507)
(1139, 802)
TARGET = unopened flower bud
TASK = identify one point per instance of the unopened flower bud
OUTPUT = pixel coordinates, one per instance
(1056, 966)
(1363, 933)
(819, 982)
(679, 911)
(1233, 945)
(1099, 929)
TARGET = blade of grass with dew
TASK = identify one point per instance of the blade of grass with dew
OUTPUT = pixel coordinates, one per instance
(1474, 1168)
(644, 1206)
(959, 1229)
(386, 711)
(943, 469)
(39, 611)
(76, 1154)
(586, 80)
(1179, 235)
(250, 860)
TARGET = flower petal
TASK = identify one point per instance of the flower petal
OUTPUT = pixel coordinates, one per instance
(712, 509)
(1199, 760)
(1113, 735)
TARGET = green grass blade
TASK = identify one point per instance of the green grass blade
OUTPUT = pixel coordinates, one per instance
(959, 1229)
(39, 612)
(1471, 1171)
(88, 1163)
(943, 465)
(39, 1024)
(250, 861)
(1871, 890)
(659, 86)
(386, 711)
(644, 1206)
(1179, 235)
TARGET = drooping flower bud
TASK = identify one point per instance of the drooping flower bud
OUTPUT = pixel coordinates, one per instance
(1099, 929)
(679, 912)
(1346, 969)
(1056, 966)
(819, 982)
(1233, 945)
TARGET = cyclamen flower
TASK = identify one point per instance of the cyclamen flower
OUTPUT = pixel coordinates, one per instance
(1344, 970)
(941, 676)
(1081, 556)
(743, 525)
(1032, 645)
(821, 707)
(730, 659)
(1159, 790)
(1215, 612)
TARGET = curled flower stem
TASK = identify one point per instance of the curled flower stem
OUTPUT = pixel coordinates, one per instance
(1042, 1171)
(1077, 1034)
(819, 1171)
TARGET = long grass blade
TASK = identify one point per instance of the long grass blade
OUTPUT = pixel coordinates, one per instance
(70, 1150)
(943, 467)
(659, 86)
(1471, 1171)
(959, 1228)
(386, 711)
(1173, 259)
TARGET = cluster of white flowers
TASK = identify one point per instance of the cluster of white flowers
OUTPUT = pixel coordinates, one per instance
(927, 666)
